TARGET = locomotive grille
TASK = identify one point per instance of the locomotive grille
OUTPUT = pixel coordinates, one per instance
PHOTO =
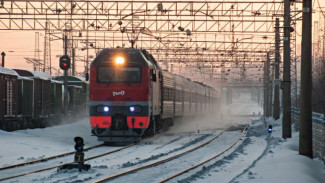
(119, 122)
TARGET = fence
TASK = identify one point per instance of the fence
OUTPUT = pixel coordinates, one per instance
(318, 132)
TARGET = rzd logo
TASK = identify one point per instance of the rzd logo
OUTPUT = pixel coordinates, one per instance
(118, 93)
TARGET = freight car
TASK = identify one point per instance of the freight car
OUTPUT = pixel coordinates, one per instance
(130, 96)
(30, 99)
(78, 91)
(8, 97)
(41, 96)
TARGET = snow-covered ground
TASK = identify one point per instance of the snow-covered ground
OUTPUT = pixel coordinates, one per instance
(259, 157)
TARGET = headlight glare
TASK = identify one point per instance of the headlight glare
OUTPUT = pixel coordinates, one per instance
(102, 108)
(135, 108)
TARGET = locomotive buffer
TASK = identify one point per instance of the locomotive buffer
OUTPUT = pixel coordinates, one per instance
(78, 157)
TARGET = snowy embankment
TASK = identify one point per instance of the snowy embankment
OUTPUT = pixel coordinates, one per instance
(260, 157)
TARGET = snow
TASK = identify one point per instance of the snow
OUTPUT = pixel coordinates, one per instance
(41, 75)
(7, 71)
(259, 157)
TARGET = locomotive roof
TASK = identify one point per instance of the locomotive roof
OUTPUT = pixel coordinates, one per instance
(7, 71)
(135, 56)
(34, 74)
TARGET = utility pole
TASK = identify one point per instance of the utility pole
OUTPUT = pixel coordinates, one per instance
(305, 126)
(271, 80)
(87, 63)
(267, 85)
(65, 77)
(276, 105)
(265, 88)
(286, 83)
(73, 62)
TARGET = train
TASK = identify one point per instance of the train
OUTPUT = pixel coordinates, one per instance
(31, 99)
(131, 96)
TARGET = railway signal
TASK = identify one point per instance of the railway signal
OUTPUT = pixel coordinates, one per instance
(79, 157)
(65, 62)
(79, 144)
(270, 129)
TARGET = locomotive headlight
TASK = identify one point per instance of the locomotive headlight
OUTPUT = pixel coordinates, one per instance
(102, 108)
(119, 60)
(136, 108)
(132, 109)
(106, 109)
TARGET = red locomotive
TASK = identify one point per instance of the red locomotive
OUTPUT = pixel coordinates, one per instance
(130, 96)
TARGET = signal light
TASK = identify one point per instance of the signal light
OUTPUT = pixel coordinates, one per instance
(79, 157)
(79, 144)
(65, 62)
(270, 129)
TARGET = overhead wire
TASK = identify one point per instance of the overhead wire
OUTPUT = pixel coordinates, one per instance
(320, 8)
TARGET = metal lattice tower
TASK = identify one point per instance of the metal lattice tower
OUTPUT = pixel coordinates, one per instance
(316, 41)
(47, 50)
(319, 42)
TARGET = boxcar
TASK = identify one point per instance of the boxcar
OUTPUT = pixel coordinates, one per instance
(78, 90)
(56, 98)
(25, 100)
(42, 93)
(8, 97)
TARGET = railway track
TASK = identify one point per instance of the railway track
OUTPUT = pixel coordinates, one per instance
(45, 159)
(205, 161)
(170, 158)
(55, 166)
(49, 167)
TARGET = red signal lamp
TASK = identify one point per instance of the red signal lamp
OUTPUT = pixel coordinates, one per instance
(65, 62)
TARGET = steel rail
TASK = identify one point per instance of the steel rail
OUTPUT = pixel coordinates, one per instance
(160, 161)
(205, 161)
(56, 166)
(45, 159)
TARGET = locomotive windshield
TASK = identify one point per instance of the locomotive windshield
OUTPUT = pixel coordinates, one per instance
(119, 75)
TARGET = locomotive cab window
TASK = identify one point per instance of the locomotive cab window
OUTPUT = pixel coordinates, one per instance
(119, 75)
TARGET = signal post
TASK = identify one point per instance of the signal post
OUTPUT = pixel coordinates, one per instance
(65, 64)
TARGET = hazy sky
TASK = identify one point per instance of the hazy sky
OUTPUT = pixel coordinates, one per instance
(20, 44)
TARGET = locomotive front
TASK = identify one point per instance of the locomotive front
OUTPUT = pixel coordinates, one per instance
(119, 95)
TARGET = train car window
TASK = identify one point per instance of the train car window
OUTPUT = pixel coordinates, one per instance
(119, 75)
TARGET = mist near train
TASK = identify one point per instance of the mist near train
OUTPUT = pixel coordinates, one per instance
(236, 113)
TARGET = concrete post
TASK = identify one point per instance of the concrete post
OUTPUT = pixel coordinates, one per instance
(276, 105)
(305, 126)
(286, 83)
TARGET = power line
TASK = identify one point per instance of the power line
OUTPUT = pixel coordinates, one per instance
(320, 8)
